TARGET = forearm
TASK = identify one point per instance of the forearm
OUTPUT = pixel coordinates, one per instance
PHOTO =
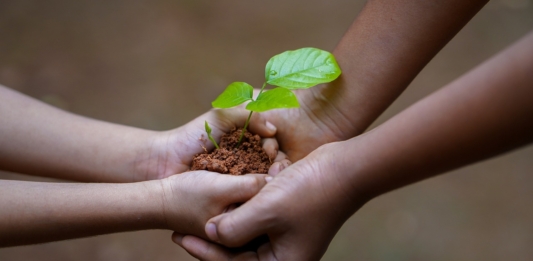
(38, 139)
(484, 113)
(388, 44)
(33, 212)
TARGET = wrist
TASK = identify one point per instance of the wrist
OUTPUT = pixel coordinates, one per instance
(155, 193)
(157, 156)
(328, 104)
(365, 167)
(328, 173)
(107, 152)
(341, 168)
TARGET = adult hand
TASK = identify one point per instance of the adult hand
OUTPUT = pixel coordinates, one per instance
(318, 121)
(300, 210)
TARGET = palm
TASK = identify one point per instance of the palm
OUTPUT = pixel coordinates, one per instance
(171, 152)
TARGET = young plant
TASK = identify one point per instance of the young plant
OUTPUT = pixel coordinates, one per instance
(208, 131)
(290, 70)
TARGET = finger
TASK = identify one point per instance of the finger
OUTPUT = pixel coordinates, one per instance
(207, 251)
(277, 167)
(281, 156)
(285, 163)
(230, 208)
(240, 226)
(259, 125)
(271, 147)
(238, 189)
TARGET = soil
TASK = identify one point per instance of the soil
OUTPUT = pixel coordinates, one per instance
(249, 157)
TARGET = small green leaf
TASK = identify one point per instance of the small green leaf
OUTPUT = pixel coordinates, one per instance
(302, 68)
(208, 130)
(235, 94)
(274, 99)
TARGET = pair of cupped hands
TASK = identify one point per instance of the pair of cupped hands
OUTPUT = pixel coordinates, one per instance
(299, 206)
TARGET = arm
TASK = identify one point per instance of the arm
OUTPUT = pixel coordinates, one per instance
(33, 212)
(38, 139)
(484, 113)
(388, 44)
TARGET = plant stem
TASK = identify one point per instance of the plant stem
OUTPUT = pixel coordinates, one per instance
(244, 129)
(213, 141)
(249, 116)
(262, 88)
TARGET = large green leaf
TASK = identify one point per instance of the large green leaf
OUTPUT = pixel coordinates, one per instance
(274, 99)
(302, 68)
(235, 94)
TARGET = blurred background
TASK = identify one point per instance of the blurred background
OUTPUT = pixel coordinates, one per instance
(157, 64)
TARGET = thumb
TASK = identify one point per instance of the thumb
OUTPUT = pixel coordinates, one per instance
(236, 228)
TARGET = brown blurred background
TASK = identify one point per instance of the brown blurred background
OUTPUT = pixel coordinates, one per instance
(157, 64)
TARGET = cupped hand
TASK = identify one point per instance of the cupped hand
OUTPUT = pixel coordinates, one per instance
(315, 123)
(171, 152)
(300, 210)
(190, 199)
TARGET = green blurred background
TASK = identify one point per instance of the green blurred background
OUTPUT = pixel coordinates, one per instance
(158, 64)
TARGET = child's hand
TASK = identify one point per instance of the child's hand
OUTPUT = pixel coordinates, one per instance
(190, 199)
(171, 152)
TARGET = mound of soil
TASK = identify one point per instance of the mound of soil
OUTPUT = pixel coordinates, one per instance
(249, 157)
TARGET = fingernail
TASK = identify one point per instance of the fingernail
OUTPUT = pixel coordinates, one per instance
(274, 169)
(268, 179)
(286, 163)
(281, 167)
(271, 126)
(272, 155)
(177, 238)
(211, 231)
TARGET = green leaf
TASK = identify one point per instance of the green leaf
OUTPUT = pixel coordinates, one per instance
(274, 99)
(302, 68)
(235, 94)
(208, 130)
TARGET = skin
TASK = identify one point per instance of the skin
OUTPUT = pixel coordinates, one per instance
(384, 49)
(407, 31)
(482, 114)
(381, 53)
(54, 143)
(35, 212)
(38, 139)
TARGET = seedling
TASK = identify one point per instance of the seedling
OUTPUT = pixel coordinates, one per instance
(208, 130)
(290, 70)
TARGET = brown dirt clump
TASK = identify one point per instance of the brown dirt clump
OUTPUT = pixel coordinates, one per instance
(249, 157)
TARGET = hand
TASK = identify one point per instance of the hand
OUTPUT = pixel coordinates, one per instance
(300, 210)
(316, 122)
(171, 152)
(319, 122)
(190, 199)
